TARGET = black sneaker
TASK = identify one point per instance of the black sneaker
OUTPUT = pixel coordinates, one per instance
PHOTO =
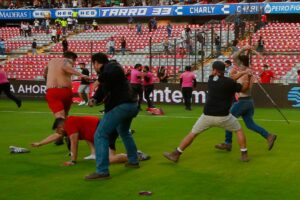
(142, 156)
(97, 176)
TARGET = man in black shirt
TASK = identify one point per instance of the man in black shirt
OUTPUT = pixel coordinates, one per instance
(216, 111)
(33, 47)
(120, 105)
(84, 88)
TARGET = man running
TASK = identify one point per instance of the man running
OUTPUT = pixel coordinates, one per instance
(84, 128)
(244, 106)
(58, 75)
(216, 111)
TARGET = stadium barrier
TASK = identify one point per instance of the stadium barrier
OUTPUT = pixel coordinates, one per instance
(286, 96)
(159, 11)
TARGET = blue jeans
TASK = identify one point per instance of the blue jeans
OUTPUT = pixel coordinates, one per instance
(245, 109)
(120, 118)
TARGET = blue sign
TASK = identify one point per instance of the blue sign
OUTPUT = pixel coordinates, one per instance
(160, 11)
(294, 95)
(15, 14)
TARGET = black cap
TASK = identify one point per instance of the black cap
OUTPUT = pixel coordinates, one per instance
(219, 65)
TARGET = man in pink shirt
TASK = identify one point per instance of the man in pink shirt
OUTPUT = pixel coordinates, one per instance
(136, 83)
(148, 86)
(187, 82)
(5, 87)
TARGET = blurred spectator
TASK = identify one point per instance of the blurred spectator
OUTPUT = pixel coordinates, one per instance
(169, 29)
(267, 75)
(53, 34)
(228, 68)
(84, 88)
(36, 25)
(74, 14)
(86, 26)
(123, 45)
(218, 45)
(2, 46)
(95, 25)
(260, 45)
(153, 23)
(21, 30)
(200, 38)
(70, 23)
(148, 86)
(139, 28)
(150, 25)
(298, 72)
(33, 47)
(187, 83)
(166, 45)
(64, 24)
(65, 44)
(58, 34)
(162, 75)
(234, 46)
(130, 22)
(111, 46)
(74, 3)
(264, 20)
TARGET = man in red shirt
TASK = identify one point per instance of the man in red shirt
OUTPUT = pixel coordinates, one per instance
(266, 75)
(83, 128)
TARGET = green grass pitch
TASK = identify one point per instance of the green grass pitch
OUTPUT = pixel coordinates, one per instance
(202, 173)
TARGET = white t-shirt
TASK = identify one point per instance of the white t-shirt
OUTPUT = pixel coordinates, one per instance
(70, 21)
(53, 32)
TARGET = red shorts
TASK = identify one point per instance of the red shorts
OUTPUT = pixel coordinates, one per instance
(59, 99)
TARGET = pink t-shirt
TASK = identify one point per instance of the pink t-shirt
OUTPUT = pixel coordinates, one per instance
(135, 74)
(187, 79)
(3, 78)
(149, 75)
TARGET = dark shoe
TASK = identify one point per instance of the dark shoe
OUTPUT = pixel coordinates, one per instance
(97, 176)
(132, 165)
(189, 109)
(19, 104)
(174, 156)
(142, 156)
(271, 139)
(59, 142)
(224, 146)
(244, 156)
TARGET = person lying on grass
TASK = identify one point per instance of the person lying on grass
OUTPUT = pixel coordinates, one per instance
(83, 128)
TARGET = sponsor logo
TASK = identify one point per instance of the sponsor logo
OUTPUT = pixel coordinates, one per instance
(268, 9)
(178, 10)
(41, 13)
(123, 12)
(87, 13)
(225, 9)
(14, 15)
(162, 11)
(294, 96)
(63, 13)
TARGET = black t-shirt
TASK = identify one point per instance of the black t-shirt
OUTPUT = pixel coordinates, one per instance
(114, 87)
(221, 91)
(123, 44)
(85, 72)
(34, 45)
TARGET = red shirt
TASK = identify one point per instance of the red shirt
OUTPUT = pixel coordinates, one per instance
(85, 126)
(266, 76)
(264, 18)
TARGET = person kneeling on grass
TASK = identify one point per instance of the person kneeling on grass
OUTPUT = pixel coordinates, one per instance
(84, 128)
(221, 91)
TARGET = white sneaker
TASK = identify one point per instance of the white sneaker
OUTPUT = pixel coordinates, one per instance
(90, 157)
(81, 103)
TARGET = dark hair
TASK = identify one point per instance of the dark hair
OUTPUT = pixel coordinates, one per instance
(228, 62)
(147, 68)
(188, 68)
(235, 42)
(265, 66)
(137, 66)
(70, 55)
(298, 71)
(100, 58)
(245, 60)
(219, 66)
(57, 122)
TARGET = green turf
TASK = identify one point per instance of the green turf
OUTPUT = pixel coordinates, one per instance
(202, 173)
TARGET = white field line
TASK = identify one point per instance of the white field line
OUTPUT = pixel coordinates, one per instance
(141, 115)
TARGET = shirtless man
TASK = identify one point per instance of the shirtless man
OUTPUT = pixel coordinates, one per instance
(244, 107)
(58, 74)
(84, 128)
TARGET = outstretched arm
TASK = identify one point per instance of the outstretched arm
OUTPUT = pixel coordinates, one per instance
(74, 149)
(51, 138)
